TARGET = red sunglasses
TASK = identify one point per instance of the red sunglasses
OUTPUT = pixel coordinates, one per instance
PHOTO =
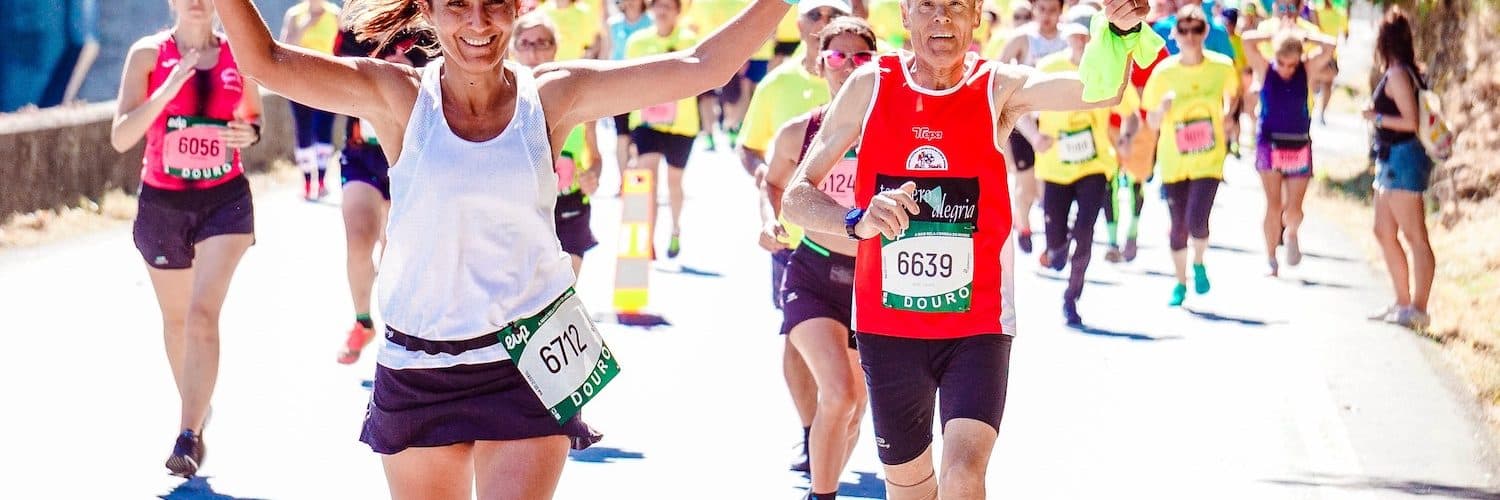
(838, 59)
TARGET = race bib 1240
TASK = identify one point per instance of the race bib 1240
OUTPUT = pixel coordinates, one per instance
(839, 184)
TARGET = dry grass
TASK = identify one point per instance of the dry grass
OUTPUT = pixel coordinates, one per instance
(113, 209)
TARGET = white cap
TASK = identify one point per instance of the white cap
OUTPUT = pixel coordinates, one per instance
(805, 6)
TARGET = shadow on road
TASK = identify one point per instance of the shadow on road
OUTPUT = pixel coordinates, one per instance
(197, 488)
(1054, 277)
(1223, 248)
(1410, 487)
(1336, 258)
(1324, 284)
(604, 455)
(689, 271)
(1213, 316)
(868, 486)
(1138, 337)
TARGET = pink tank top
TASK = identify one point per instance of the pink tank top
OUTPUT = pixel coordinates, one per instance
(183, 148)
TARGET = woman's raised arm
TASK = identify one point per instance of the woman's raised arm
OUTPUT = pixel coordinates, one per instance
(583, 90)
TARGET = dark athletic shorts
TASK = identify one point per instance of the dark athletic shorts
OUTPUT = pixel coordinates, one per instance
(1021, 152)
(907, 377)
(676, 148)
(572, 217)
(366, 164)
(785, 48)
(779, 260)
(731, 91)
(441, 406)
(757, 70)
(169, 223)
(622, 124)
(817, 287)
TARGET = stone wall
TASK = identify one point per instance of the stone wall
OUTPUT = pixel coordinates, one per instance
(50, 158)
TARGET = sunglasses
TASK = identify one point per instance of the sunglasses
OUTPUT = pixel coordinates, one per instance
(537, 45)
(836, 59)
(1286, 9)
(1194, 29)
(821, 13)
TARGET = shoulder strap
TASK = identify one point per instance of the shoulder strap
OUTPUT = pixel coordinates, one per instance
(814, 122)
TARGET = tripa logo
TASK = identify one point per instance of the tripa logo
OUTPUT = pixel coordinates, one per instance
(927, 134)
(927, 158)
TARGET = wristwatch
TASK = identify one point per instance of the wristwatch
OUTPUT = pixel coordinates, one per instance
(851, 219)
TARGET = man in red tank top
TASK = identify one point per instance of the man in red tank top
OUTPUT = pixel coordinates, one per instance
(933, 287)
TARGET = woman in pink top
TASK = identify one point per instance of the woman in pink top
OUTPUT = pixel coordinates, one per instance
(184, 94)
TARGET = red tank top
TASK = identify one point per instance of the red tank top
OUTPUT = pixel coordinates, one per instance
(185, 132)
(941, 279)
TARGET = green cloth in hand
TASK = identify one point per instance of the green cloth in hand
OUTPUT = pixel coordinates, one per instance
(1104, 58)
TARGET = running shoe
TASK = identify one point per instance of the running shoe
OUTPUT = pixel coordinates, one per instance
(1129, 252)
(674, 247)
(1200, 279)
(1113, 254)
(1411, 318)
(1179, 294)
(801, 462)
(709, 139)
(1023, 240)
(1070, 313)
(358, 338)
(1387, 315)
(322, 190)
(1054, 259)
(187, 454)
(307, 192)
(1293, 251)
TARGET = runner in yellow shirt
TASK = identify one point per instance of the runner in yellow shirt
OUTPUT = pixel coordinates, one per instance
(1188, 98)
(313, 25)
(1076, 161)
(578, 29)
(665, 131)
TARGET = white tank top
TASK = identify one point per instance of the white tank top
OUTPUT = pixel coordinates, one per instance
(471, 242)
(1038, 46)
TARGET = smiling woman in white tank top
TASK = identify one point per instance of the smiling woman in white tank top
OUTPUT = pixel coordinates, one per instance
(473, 273)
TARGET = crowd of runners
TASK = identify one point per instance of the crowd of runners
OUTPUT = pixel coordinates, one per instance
(899, 148)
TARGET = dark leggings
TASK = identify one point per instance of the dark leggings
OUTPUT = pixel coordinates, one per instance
(1089, 193)
(1190, 202)
(314, 126)
(1114, 188)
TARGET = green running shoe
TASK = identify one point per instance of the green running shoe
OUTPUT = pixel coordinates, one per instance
(674, 247)
(1200, 279)
(1179, 294)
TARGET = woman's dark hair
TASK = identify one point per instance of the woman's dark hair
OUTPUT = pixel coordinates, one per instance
(1394, 44)
(846, 24)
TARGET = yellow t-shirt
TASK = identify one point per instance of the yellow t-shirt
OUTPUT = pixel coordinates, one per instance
(787, 31)
(885, 20)
(705, 16)
(577, 26)
(1332, 21)
(1191, 145)
(321, 35)
(680, 117)
(1081, 145)
(787, 91)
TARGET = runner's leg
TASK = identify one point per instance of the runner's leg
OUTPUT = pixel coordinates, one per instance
(364, 221)
(174, 291)
(824, 344)
(526, 469)
(216, 260)
(676, 196)
(1057, 201)
(1270, 182)
(1296, 192)
(1091, 191)
(437, 473)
